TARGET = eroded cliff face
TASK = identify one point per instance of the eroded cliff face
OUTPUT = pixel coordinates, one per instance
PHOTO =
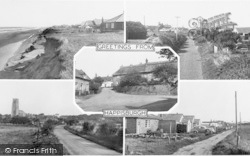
(41, 57)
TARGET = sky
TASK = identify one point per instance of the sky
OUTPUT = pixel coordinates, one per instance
(43, 13)
(35, 97)
(166, 11)
(107, 63)
(214, 100)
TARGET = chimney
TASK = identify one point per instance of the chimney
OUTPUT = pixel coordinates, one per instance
(146, 61)
(102, 20)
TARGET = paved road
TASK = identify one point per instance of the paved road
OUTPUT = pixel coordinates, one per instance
(190, 62)
(109, 99)
(80, 146)
(203, 147)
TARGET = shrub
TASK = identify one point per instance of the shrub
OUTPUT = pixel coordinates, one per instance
(166, 73)
(87, 127)
(20, 120)
(104, 130)
(170, 39)
(136, 30)
(201, 39)
(48, 127)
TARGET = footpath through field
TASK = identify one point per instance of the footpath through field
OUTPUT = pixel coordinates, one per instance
(79, 146)
(203, 147)
(109, 99)
(190, 62)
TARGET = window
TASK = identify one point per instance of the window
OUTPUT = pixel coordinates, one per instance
(112, 25)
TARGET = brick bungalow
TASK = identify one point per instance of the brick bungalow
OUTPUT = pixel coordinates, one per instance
(114, 24)
(82, 81)
(136, 125)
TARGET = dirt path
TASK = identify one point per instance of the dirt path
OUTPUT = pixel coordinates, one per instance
(80, 146)
(109, 99)
(190, 62)
(203, 147)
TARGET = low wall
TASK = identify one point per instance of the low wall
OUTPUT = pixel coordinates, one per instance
(152, 90)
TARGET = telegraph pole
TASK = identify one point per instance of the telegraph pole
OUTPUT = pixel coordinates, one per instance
(236, 122)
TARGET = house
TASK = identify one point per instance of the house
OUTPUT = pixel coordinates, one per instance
(114, 24)
(244, 32)
(136, 125)
(189, 121)
(179, 125)
(107, 83)
(145, 70)
(197, 122)
(82, 81)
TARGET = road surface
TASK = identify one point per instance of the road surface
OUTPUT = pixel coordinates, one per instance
(190, 62)
(203, 147)
(79, 146)
(109, 99)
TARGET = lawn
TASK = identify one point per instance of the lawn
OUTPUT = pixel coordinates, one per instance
(26, 135)
(16, 135)
(228, 145)
(151, 146)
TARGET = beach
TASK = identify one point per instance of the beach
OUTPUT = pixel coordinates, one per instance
(7, 52)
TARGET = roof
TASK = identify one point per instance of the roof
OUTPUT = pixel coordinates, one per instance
(89, 23)
(119, 18)
(140, 68)
(81, 75)
(150, 116)
(244, 30)
(175, 117)
(187, 118)
(107, 78)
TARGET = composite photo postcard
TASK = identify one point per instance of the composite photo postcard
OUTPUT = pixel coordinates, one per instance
(124, 77)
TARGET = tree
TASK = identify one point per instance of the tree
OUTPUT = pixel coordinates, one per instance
(136, 30)
(166, 53)
(71, 121)
(166, 73)
(20, 120)
(132, 79)
(98, 80)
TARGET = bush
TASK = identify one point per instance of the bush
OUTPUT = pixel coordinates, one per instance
(20, 120)
(131, 79)
(169, 39)
(48, 127)
(87, 127)
(201, 39)
(166, 73)
(136, 30)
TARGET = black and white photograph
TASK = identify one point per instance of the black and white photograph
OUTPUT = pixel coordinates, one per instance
(124, 77)
(126, 80)
(38, 39)
(31, 114)
(211, 37)
(212, 118)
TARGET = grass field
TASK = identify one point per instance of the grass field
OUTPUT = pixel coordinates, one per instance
(25, 135)
(150, 146)
(16, 135)
(228, 145)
